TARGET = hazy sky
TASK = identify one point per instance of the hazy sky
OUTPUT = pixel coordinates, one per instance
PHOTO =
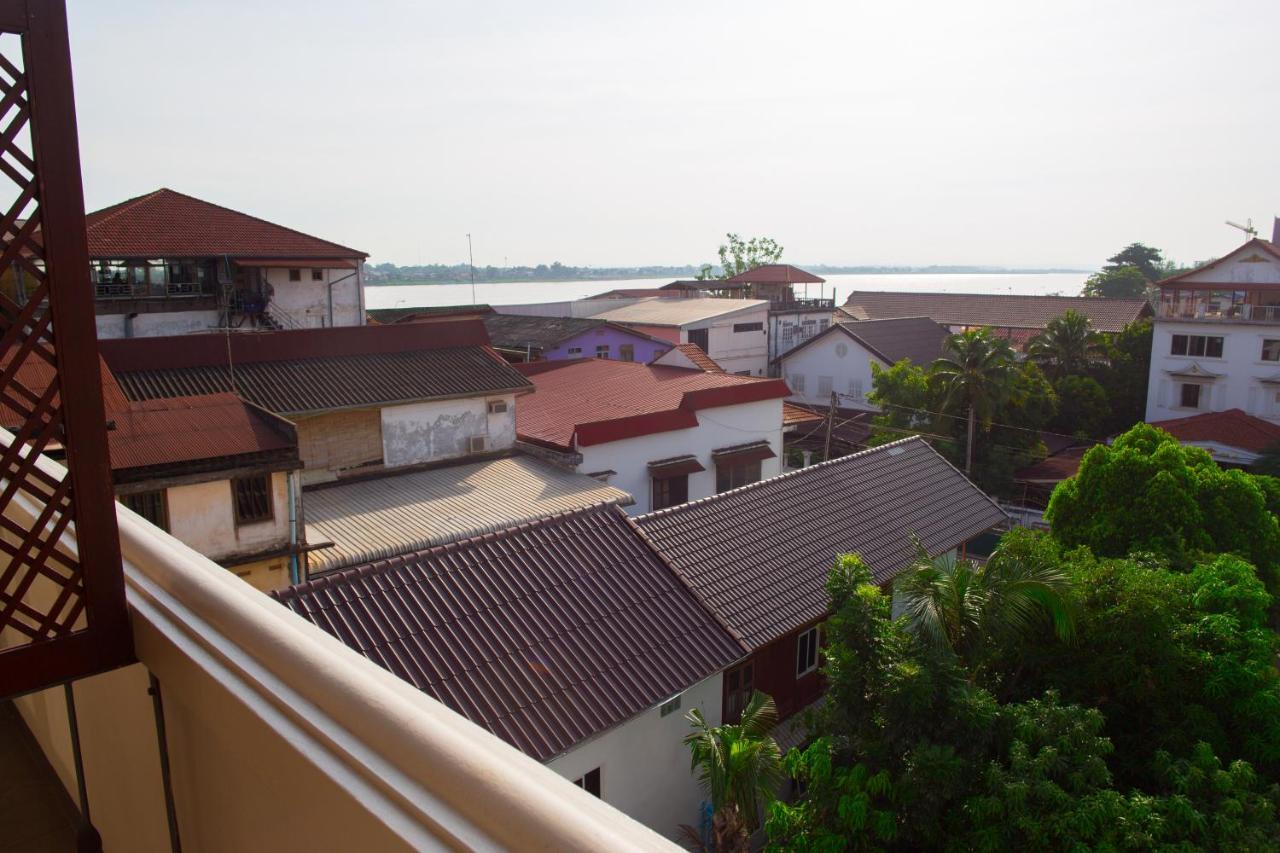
(608, 133)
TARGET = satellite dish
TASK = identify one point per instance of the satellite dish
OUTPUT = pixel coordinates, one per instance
(1247, 228)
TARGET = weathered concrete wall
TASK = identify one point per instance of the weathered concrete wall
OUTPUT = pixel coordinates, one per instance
(426, 432)
(307, 301)
(337, 441)
(156, 324)
(202, 516)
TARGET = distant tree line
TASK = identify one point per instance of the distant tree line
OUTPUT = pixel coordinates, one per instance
(556, 271)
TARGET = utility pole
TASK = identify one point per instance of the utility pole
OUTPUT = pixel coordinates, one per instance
(471, 258)
(968, 450)
(831, 421)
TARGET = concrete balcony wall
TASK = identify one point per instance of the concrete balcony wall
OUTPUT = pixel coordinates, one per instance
(281, 738)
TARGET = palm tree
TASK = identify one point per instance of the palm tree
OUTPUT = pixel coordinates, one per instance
(740, 767)
(970, 609)
(1066, 346)
(976, 376)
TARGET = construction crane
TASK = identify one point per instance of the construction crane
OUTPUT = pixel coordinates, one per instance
(1247, 228)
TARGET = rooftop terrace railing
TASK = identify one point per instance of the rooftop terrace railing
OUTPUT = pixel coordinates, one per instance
(281, 737)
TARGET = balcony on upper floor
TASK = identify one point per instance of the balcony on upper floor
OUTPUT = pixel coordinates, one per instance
(1253, 305)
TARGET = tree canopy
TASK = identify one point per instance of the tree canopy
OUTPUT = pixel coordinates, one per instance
(738, 256)
(1122, 282)
(1147, 260)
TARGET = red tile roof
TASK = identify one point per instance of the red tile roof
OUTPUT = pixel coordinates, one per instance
(313, 370)
(165, 224)
(597, 400)
(994, 310)
(759, 555)
(774, 274)
(698, 357)
(1234, 428)
(545, 634)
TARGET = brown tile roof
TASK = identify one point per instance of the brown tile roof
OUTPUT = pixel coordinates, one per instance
(699, 358)
(516, 331)
(1233, 427)
(794, 415)
(917, 339)
(997, 310)
(774, 274)
(165, 224)
(597, 400)
(1053, 468)
(317, 369)
(759, 555)
(545, 634)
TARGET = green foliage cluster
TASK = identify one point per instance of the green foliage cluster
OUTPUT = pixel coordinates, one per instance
(739, 256)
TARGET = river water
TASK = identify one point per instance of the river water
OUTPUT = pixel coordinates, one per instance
(512, 293)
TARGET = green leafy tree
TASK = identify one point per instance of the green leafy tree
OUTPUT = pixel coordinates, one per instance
(1083, 408)
(1147, 260)
(1125, 374)
(971, 610)
(1268, 461)
(903, 394)
(1148, 492)
(1125, 282)
(845, 807)
(1067, 346)
(739, 766)
(974, 377)
(739, 256)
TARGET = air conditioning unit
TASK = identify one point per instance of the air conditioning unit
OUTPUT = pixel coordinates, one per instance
(497, 407)
(476, 444)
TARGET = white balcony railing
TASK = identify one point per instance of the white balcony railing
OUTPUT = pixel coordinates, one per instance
(280, 737)
(1196, 309)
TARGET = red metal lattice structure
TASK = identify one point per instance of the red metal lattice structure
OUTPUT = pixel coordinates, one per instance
(62, 613)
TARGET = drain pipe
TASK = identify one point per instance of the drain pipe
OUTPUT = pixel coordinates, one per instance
(87, 838)
(293, 529)
(331, 284)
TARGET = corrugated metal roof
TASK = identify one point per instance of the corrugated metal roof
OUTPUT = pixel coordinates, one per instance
(545, 634)
(759, 555)
(516, 331)
(189, 429)
(318, 369)
(166, 224)
(387, 516)
(585, 396)
(677, 312)
(998, 310)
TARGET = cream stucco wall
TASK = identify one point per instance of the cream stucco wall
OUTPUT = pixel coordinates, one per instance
(440, 429)
(307, 301)
(720, 427)
(156, 324)
(736, 352)
(202, 516)
(644, 766)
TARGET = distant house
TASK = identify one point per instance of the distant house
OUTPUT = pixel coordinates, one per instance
(1232, 437)
(1016, 317)
(663, 434)
(529, 338)
(760, 555)
(732, 331)
(168, 264)
(1216, 343)
(838, 361)
(568, 637)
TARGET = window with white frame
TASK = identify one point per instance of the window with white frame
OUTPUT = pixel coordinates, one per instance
(1271, 350)
(855, 389)
(796, 381)
(807, 652)
(1200, 346)
(1190, 395)
(824, 386)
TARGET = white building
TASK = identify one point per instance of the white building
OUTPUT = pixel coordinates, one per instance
(1216, 342)
(168, 264)
(665, 434)
(838, 361)
(734, 332)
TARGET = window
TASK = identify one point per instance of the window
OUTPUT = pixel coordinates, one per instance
(317, 275)
(295, 275)
(252, 498)
(796, 381)
(1271, 350)
(150, 505)
(824, 386)
(748, 327)
(670, 491)
(602, 351)
(1189, 397)
(589, 782)
(731, 476)
(742, 373)
(701, 338)
(669, 707)
(855, 389)
(1200, 346)
(626, 352)
(575, 350)
(739, 684)
(807, 652)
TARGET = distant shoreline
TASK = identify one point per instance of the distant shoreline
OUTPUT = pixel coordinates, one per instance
(818, 270)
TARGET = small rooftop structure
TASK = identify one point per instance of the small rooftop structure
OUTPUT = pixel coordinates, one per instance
(760, 554)
(691, 356)
(1232, 437)
(164, 223)
(1000, 311)
(917, 339)
(545, 634)
(385, 516)
(312, 370)
(592, 401)
(774, 274)
(525, 332)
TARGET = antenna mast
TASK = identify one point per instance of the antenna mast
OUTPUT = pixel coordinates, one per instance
(1247, 228)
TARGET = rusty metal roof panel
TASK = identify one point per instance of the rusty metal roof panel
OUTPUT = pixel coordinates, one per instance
(759, 555)
(546, 633)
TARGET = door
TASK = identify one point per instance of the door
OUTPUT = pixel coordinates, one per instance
(700, 337)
